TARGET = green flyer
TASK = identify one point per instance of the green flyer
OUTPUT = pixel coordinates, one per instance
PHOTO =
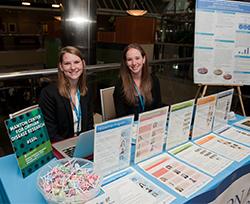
(30, 139)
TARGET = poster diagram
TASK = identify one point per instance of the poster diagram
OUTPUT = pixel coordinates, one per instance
(222, 42)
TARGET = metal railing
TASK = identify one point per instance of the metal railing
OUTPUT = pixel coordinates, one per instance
(89, 68)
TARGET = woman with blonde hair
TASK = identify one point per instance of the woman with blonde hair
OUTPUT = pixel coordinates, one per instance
(136, 90)
(67, 105)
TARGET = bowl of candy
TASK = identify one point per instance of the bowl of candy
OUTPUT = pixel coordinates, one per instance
(71, 180)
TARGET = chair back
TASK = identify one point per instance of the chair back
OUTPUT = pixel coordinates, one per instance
(107, 103)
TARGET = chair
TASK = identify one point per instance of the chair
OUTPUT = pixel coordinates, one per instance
(107, 103)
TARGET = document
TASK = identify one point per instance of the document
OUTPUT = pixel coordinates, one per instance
(112, 144)
(245, 123)
(201, 158)
(176, 175)
(224, 147)
(204, 115)
(180, 118)
(222, 108)
(237, 135)
(130, 187)
(150, 133)
(222, 51)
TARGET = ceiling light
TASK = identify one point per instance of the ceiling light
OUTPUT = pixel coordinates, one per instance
(136, 9)
(55, 5)
(25, 3)
(136, 12)
(59, 18)
(79, 20)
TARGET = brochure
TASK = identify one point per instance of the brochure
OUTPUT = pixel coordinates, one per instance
(245, 123)
(238, 135)
(179, 124)
(129, 187)
(227, 148)
(112, 144)
(204, 115)
(201, 158)
(176, 175)
(150, 133)
(30, 139)
(222, 109)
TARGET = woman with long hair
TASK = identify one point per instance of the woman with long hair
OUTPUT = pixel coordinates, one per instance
(67, 105)
(137, 90)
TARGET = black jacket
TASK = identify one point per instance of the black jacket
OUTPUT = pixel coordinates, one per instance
(58, 113)
(123, 108)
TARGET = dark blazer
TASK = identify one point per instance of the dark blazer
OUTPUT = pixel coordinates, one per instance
(58, 113)
(123, 108)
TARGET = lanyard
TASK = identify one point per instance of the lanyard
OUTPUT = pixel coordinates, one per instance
(77, 111)
(141, 98)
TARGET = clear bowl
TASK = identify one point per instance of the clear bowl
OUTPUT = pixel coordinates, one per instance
(71, 180)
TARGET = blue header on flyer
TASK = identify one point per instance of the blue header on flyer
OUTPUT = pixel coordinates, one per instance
(226, 93)
(114, 124)
(226, 6)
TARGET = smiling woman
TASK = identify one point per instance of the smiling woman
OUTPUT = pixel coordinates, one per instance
(67, 105)
(136, 90)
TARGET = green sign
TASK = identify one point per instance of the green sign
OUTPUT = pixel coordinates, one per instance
(30, 139)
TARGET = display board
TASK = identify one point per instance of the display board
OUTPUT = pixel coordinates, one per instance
(222, 42)
(30, 139)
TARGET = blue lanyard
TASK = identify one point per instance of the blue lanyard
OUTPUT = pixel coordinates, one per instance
(78, 111)
(141, 98)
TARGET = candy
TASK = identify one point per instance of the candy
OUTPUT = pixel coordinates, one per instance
(69, 181)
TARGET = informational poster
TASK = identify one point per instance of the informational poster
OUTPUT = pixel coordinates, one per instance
(150, 133)
(222, 42)
(237, 135)
(112, 144)
(204, 115)
(179, 124)
(30, 139)
(222, 109)
(176, 175)
(201, 158)
(227, 148)
(130, 187)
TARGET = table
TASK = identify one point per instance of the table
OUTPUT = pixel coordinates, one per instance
(24, 190)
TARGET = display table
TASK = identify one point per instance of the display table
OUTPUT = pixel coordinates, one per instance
(24, 190)
(236, 178)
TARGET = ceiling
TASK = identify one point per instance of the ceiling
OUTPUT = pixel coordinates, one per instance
(109, 7)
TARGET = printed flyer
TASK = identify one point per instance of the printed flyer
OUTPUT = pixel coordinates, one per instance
(112, 144)
(30, 140)
(227, 148)
(245, 123)
(130, 187)
(201, 158)
(150, 133)
(222, 108)
(204, 115)
(179, 124)
(176, 175)
(238, 135)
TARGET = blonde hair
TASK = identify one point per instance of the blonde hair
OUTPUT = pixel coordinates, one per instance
(63, 83)
(127, 79)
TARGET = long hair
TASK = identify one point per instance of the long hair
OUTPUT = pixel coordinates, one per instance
(127, 79)
(63, 83)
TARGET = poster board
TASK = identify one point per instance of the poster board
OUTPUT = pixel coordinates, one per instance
(222, 42)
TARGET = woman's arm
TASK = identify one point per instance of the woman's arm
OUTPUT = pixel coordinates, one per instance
(119, 100)
(47, 104)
